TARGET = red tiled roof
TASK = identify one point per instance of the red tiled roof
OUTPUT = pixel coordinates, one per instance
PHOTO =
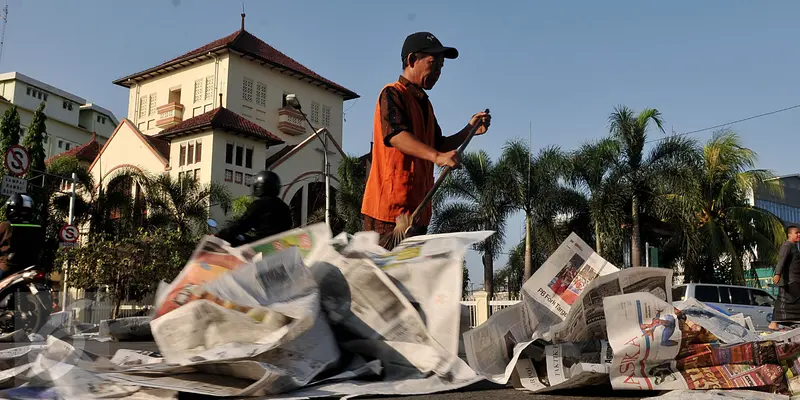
(87, 152)
(221, 118)
(159, 145)
(244, 42)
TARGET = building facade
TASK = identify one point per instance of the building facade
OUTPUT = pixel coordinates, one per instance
(786, 206)
(218, 113)
(71, 120)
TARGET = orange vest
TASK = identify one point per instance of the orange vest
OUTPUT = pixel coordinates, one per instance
(398, 182)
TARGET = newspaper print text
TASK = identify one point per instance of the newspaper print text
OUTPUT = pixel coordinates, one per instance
(553, 302)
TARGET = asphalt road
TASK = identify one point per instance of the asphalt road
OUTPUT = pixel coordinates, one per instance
(476, 392)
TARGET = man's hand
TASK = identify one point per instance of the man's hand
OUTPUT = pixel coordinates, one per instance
(448, 159)
(484, 118)
(776, 279)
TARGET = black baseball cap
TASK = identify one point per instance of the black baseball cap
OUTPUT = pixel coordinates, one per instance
(425, 42)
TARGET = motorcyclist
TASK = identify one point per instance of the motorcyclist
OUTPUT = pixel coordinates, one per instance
(21, 239)
(267, 215)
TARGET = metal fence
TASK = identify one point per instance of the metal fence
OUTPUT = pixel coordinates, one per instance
(96, 311)
(472, 306)
(90, 311)
(93, 307)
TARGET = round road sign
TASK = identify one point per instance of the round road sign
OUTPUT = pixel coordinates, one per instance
(17, 160)
(69, 234)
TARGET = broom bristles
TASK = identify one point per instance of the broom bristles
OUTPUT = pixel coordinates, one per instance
(400, 232)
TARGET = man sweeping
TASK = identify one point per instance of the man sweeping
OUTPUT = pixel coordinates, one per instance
(408, 140)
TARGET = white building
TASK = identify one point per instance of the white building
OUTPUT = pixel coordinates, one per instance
(218, 113)
(71, 120)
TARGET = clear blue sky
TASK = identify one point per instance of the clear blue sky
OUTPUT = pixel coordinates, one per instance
(559, 67)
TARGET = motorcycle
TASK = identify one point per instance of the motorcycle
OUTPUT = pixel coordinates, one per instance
(25, 300)
(240, 239)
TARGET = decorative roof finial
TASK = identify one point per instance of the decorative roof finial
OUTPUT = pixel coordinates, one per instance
(243, 15)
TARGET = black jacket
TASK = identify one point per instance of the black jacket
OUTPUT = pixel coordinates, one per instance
(266, 216)
(20, 246)
(788, 268)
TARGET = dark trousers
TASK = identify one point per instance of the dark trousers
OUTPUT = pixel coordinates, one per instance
(386, 231)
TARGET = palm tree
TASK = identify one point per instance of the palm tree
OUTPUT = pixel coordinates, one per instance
(548, 230)
(511, 274)
(591, 168)
(352, 181)
(533, 186)
(665, 164)
(346, 216)
(182, 203)
(63, 167)
(474, 197)
(725, 227)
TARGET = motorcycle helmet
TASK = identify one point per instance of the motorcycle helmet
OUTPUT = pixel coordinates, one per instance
(19, 208)
(266, 184)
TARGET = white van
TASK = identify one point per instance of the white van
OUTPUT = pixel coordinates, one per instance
(752, 302)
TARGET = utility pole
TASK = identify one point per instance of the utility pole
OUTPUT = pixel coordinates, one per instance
(4, 16)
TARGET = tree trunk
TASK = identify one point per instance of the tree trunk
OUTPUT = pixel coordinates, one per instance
(528, 271)
(488, 274)
(636, 239)
(597, 239)
(117, 305)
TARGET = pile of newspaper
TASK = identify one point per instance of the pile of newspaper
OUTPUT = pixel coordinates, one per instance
(298, 315)
(583, 322)
(304, 315)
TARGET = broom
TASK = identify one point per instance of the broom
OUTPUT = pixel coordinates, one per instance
(404, 222)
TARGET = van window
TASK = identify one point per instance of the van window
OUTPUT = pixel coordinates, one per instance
(679, 293)
(724, 295)
(740, 296)
(706, 293)
(762, 298)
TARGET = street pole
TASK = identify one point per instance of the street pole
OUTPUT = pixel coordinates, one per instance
(646, 254)
(71, 221)
(292, 102)
(327, 181)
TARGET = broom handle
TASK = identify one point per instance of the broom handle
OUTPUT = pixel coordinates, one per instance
(445, 172)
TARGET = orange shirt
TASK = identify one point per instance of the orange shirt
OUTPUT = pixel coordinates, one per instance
(398, 182)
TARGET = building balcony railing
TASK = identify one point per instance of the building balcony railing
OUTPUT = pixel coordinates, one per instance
(291, 122)
(169, 114)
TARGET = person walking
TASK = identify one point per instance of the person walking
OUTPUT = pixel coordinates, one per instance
(787, 278)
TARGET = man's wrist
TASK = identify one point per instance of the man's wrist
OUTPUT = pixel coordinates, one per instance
(434, 156)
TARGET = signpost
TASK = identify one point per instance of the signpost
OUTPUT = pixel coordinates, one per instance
(17, 160)
(12, 186)
(68, 235)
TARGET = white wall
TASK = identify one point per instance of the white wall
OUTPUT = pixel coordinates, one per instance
(205, 163)
(54, 107)
(308, 159)
(220, 166)
(103, 127)
(277, 84)
(57, 131)
(126, 149)
(183, 79)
